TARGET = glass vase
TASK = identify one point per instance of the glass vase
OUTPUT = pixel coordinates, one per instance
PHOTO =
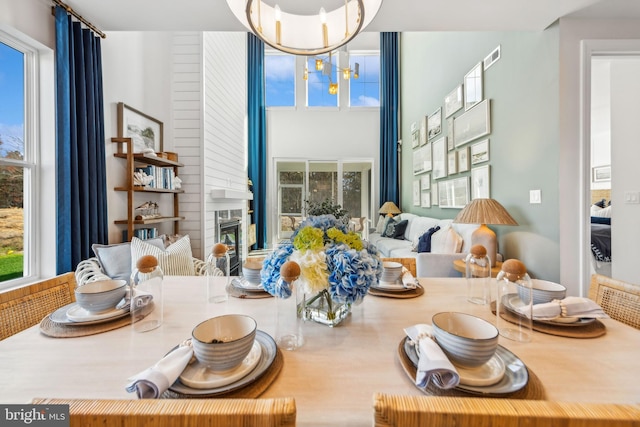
(321, 308)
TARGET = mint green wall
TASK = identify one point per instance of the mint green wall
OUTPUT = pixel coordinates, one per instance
(523, 87)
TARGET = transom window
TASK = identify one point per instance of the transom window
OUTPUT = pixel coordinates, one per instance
(364, 91)
(280, 80)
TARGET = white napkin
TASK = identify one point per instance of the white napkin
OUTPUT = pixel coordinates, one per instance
(153, 381)
(433, 364)
(569, 307)
(408, 281)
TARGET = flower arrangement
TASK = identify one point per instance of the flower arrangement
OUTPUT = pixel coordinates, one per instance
(334, 264)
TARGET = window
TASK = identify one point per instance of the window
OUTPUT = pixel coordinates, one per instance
(280, 80)
(318, 81)
(364, 91)
(15, 160)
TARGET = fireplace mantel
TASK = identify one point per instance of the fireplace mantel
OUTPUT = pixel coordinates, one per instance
(229, 194)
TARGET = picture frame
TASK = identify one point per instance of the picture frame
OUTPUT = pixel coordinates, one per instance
(145, 131)
(415, 139)
(439, 156)
(416, 192)
(434, 195)
(434, 123)
(480, 152)
(601, 173)
(454, 193)
(453, 101)
(480, 183)
(472, 124)
(450, 145)
(463, 159)
(422, 160)
(425, 182)
(452, 163)
(423, 131)
(425, 199)
(473, 86)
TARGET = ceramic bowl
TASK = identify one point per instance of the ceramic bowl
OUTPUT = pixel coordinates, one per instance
(102, 295)
(251, 272)
(221, 343)
(392, 271)
(467, 340)
(543, 291)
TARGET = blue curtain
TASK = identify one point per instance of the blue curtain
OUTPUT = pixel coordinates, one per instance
(81, 191)
(389, 175)
(257, 136)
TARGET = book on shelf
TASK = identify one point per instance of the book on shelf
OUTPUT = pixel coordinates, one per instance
(163, 177)
(141, 233)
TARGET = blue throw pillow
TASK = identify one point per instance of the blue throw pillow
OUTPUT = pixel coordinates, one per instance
(424, 244)
(395, 229)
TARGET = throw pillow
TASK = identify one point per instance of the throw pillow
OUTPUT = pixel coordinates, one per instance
(116, 259)
(424, 245)
(446, 241)
(176, 260)
(395, 229)
(380, 225)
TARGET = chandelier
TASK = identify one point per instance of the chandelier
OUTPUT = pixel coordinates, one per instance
(326, 66)
(299, 28)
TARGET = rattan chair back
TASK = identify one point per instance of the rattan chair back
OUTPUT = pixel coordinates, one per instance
(408, 263)
(440, 411)
(24, 307)
(178, 412)
(620, 300)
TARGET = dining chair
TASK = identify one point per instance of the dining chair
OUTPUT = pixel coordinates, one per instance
(620, 300)
(24, 307)
(408, 411)
(274, 412)
(408, 263)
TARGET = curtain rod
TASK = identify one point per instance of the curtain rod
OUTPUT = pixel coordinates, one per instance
(80, 18)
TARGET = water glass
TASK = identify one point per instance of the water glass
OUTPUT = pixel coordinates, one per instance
(514, 309)
(217, 274)
(478, 275)
(146, 309)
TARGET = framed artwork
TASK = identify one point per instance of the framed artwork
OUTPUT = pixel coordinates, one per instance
(463, 159)
(472, 124)
(416, 192)
(453, 101)
(439, 158)
(480, 152)
(601, 173)
(480, 184)
(422, 160)
(473, 86)
(434, 123)
(452, 163)
(425, 200)
(415, 139)
(450, 145)
(454, 193)
(144, 130)
(425, 182)
(434, 195)
(423, 131)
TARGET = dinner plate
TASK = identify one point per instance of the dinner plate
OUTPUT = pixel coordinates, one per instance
(390, 286)
(488, 374)
(267, 356)
(197, 375)
(515, 376)
(80, 316)
(242, 283)
(509, 302)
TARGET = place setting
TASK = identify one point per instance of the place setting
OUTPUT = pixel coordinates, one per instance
(248, 284)
(458, 355)
(396, 281)
(226, 356)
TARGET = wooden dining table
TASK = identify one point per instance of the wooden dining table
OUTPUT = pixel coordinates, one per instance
(334, 375)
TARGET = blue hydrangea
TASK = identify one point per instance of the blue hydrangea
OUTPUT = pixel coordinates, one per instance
(270, 272)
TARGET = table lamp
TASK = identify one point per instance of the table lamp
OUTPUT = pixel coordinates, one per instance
(389, 209)
(483, 212)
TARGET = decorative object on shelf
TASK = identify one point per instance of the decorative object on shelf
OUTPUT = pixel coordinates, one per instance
(310, 29)
(147, 210)
(336, 268)
(389, 209)
(141, 179)
(483, 212)
(144, 130)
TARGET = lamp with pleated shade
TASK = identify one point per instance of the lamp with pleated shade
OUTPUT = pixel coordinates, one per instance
(483, 212)
(389, 209)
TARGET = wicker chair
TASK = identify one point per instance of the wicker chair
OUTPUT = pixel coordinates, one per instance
(408, 263)
(24, 307)
(410, 411)
(178, 412)
(620, 300)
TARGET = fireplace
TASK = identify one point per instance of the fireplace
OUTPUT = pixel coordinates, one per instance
(229, 234)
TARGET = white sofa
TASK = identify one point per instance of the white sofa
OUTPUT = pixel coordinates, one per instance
(438, 262)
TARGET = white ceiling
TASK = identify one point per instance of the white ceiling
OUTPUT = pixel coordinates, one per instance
(394, 15)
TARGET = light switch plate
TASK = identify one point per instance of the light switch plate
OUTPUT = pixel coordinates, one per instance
(534, 196)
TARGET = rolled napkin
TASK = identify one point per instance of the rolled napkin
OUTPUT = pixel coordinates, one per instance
(153, 381)
(408, 281)
(568, 307)
(433, 364)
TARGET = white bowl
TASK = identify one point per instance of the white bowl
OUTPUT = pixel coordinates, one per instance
(467, 340)
(391, 271)
(251, 272)
(100, 296)
(221, 343)
(543, 291)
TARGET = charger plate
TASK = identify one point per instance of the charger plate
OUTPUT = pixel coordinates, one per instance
(251, 386)
(408, 293)
(532, 390)
(68, 329)
(238, 291)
